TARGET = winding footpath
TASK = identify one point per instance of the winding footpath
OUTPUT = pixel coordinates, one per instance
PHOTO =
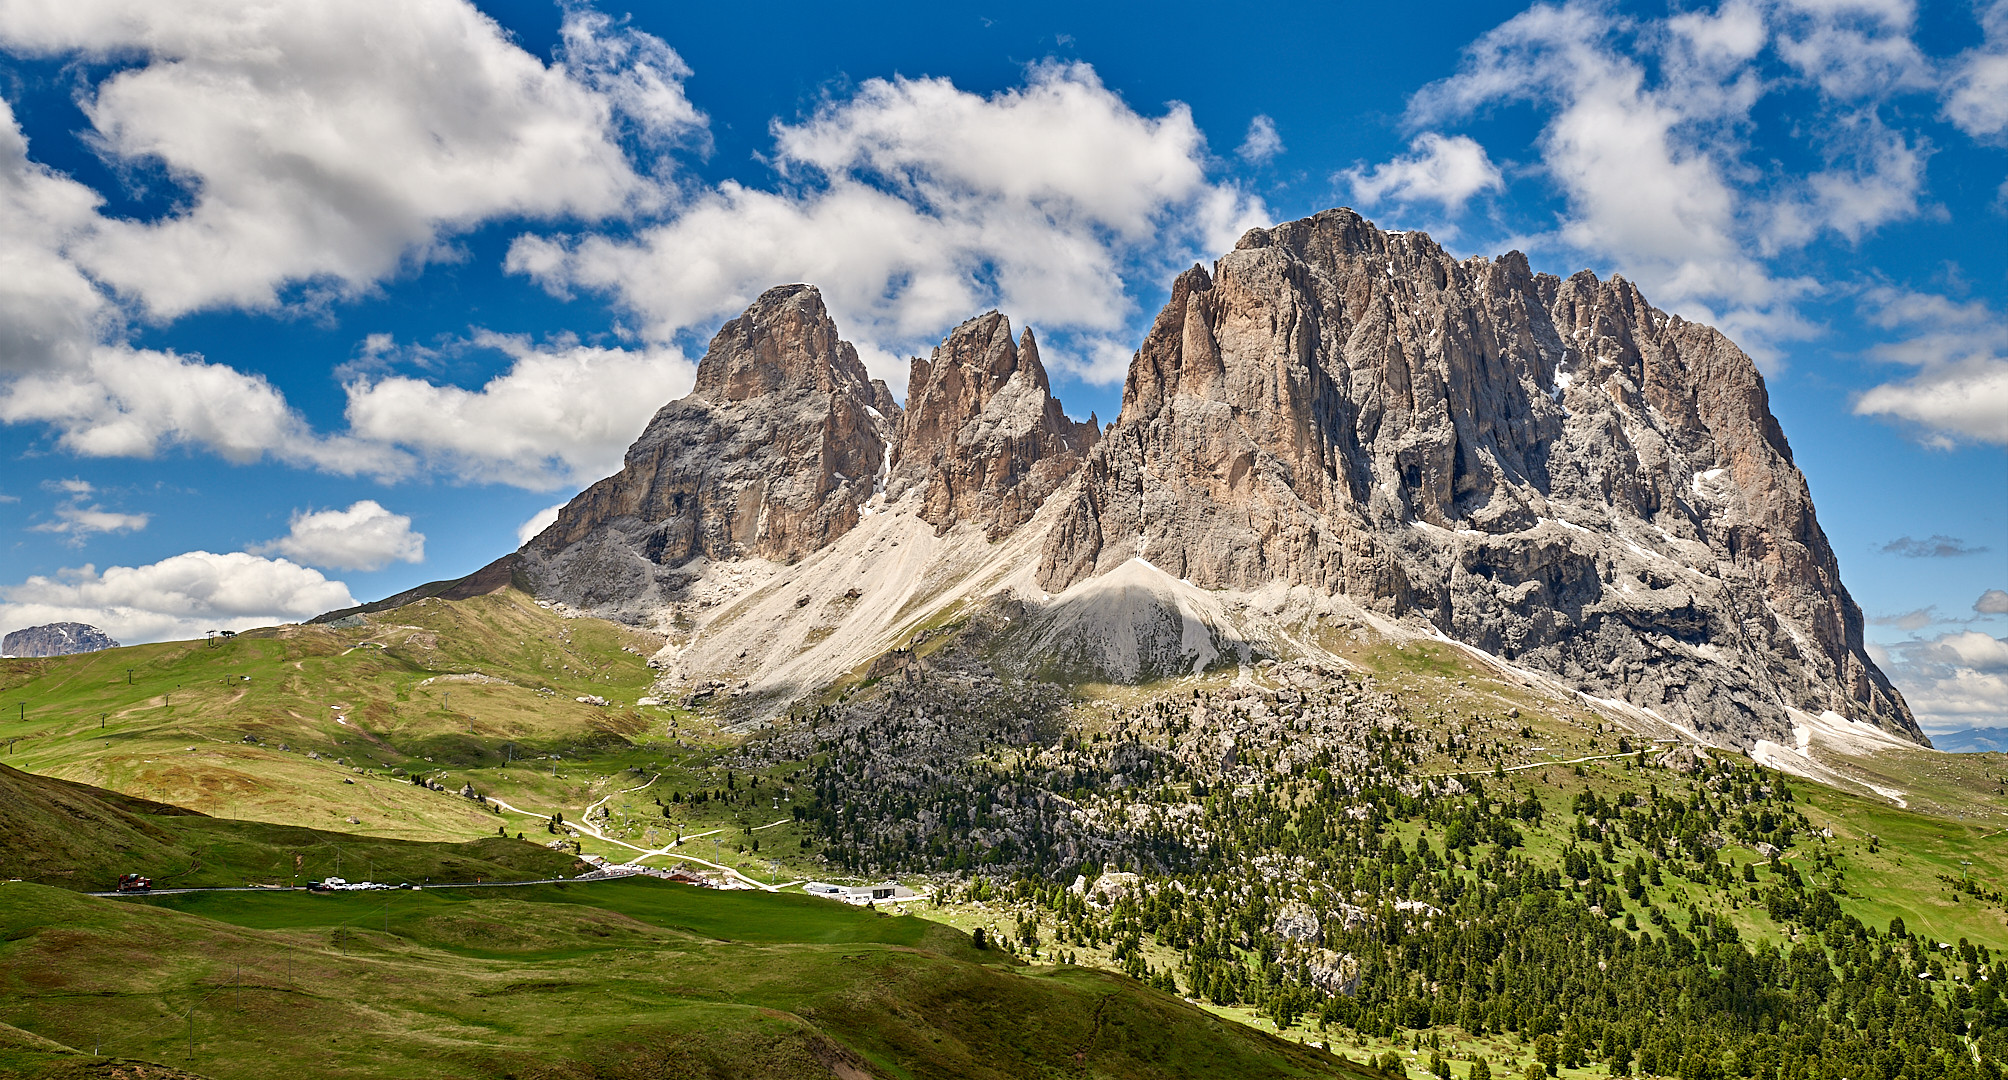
(586, 826)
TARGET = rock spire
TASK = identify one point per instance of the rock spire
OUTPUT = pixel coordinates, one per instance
(982, 435)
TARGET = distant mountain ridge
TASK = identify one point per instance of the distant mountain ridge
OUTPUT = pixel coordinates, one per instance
(1973, 741)
(56, 639)
(1333, 427)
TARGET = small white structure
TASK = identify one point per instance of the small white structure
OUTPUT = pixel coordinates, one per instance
(860, 894)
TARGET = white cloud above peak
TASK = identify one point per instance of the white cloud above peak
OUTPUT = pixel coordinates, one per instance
(1646, 135)
(913, 203)
(1447, 171)
(363, 537)
(1263, 142)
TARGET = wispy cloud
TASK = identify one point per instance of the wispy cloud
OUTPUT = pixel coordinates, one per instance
(1263, 142)
(78, 518)
(1931, 547)
(1909, 620)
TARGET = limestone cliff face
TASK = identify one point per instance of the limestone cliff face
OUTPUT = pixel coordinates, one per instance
(771, 455)
(785, 443)
(982, 436)
(1550, 470)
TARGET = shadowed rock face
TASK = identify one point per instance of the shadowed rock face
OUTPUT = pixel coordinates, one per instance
(983, 436)
(1553, 471)
(770, 456)
(56, 639)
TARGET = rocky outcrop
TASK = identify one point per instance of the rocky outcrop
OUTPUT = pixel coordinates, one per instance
(983, 437)
(783, 439)
(1553, 471)
(56, 639)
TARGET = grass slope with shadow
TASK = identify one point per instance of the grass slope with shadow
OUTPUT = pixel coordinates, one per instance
(79, 837)
(605, 980)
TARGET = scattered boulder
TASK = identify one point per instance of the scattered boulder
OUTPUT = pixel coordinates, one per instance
(1296, 921)
(1681, 758)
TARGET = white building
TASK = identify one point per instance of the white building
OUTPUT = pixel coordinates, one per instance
(860, 894)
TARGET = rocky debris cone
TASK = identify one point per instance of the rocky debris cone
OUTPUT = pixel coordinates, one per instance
(56, 639)
(1332, 418)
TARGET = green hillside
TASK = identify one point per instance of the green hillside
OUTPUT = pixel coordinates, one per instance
(1394, 850)
(616, 979)
(78, 837)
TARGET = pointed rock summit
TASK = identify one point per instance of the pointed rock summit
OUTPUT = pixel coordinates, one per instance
(785, 442)
(771, 455)
(983, 437)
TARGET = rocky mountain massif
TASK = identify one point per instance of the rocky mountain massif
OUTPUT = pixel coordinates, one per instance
(56, 639)
(1336, 427)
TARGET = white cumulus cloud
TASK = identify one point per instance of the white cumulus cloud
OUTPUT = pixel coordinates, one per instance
(50, 312)
(321, 148)
(183, 596)
(561, 414)
(1447, 171)
(913, 203)
(1976, 96)
(538, 522)
(1960, 352)
(363, 537)
(1953, 681)
(118, 401)
(335, 142)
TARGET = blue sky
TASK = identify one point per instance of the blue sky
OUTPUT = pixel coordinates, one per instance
(302, 303)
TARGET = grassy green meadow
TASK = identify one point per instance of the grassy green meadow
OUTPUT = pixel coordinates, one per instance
(608, 979)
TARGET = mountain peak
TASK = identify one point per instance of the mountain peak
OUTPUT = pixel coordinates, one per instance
(1552, 471)
(771, 455)
(56, 639)
(982, 434)
(785, 340)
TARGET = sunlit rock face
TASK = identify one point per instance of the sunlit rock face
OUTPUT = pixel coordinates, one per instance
(56, 639)
(1553, 471)
(983, 437)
